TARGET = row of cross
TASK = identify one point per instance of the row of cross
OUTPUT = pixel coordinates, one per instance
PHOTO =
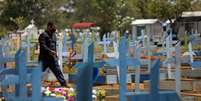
(84, 86)
(20, 77)
(85, 69)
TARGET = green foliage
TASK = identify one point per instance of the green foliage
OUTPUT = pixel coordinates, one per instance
(3, 30)
(101, 94)
(160, 9)
(16, 14)
(20, 21)
(184, 48)
(196, 6)
(108, 14)
(183, 5)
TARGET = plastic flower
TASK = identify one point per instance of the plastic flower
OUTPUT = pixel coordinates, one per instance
(101, 95)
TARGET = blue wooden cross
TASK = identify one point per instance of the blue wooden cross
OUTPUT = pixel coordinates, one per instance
(19, 78)
(4, 57)
(155, 94)
(175, 61)
(194, 64)
(169, 53)
(142, 38)
(105, 43)
(123, 62)
(84, 80)
(178, 67)
(146, 45)
(64, 48)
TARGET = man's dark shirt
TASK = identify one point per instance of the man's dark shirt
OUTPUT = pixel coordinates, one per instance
(47, 44)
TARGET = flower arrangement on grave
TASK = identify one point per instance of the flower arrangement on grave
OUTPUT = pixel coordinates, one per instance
(98, 48)
(99, 94)
(102, 72)
(48, 83)
(68, 94)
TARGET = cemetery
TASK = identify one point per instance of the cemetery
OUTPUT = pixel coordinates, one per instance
(149, 60)
(114, 68)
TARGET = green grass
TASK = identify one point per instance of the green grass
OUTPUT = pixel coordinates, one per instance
(184, 48)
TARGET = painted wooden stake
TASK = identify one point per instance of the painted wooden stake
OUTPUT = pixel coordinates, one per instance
(84, 80)
(123, 62)
(19, 77)
(155, 94)
(178, 67)
(194, 64)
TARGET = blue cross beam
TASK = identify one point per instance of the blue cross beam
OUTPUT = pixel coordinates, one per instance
(19, 78)
(123, 61)
(155, 94)
(84, 80)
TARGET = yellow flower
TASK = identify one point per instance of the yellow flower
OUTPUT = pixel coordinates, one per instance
(71, 94)
(101, 93)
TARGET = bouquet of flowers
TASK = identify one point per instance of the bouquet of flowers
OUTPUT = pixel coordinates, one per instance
(99, 94)
(67, 93)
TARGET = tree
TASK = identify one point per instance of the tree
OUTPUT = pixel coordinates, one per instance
(40, 11)
(101, 12)
(108, 14)
(161, 9)
(196, 6)
(182, 5)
